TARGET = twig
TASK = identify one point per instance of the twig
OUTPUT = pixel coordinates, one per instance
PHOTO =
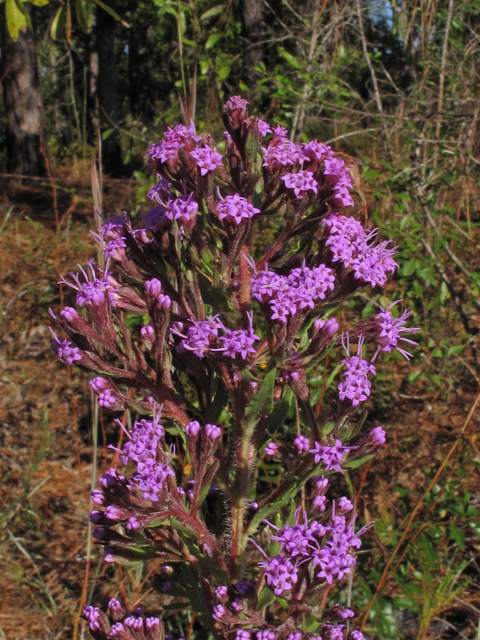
(378, 100)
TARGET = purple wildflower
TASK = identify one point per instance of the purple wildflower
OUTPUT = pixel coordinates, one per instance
(301, 182)
(200, 335)
(183, 209)
(356, 635)
(207, 159)
(243, 634)
(350, 245)
(263, 128)
(176, 138)
(356, 386)
(94, 291)
(238, 342)
(390, 329)
(331, 456)
(235, 209)
(64, 350)
(161, 191)
(316, 151)
(280, 573)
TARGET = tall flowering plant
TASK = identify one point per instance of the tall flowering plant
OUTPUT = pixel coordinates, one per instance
(207, 322)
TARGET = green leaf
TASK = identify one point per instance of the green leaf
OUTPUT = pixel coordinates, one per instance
(115, 15)
(81, 15)
(212, 40)
(292, 60)
(262, 402)
(211, 13)
(279, 413)
(106, 134)
(57, 30)
(24, 12)
(354, 464)
(219, 402)
(39, 3)
(15, 19)
(265, 598)
(224, 72)
(457, 535)
(195, 595)
(409, 267)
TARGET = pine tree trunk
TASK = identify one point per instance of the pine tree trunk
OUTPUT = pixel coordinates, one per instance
(107, 92)
(252, 32)
(23, 103)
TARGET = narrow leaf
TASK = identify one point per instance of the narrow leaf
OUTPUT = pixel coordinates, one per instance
(211, 13)
(81, 15)
(115, 15)
(57, 30)
(262, 402)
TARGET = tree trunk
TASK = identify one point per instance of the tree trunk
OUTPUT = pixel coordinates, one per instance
(252, 32)
(107, 92)
(23, 103)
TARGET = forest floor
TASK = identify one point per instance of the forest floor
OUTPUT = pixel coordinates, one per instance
(46, 462)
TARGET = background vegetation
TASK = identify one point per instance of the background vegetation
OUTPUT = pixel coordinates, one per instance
(394, 86)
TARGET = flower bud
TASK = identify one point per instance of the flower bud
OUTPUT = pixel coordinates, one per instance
(116, 610)
(221, 593)
(377, 437)
(192, 429)
(344, 506)
(97, 496)
(319, 503)
(212, 431)
(302, 444)
(272, 449)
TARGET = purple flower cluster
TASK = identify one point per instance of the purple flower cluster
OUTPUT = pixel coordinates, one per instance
(183, 209)
(331, 456)
(202, 336)
(142, 448)
(64, 350)
(390, 330)
(353, 247)
(325, 546)
(94, 291)
(176, 138)
(234, 209)
(288, 295)
(281, 152)
(301, 182)
(356, 386)
(208, 159)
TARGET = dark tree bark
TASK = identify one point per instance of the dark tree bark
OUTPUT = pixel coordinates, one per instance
(252, 33)
(23, 103)
(107, 91)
